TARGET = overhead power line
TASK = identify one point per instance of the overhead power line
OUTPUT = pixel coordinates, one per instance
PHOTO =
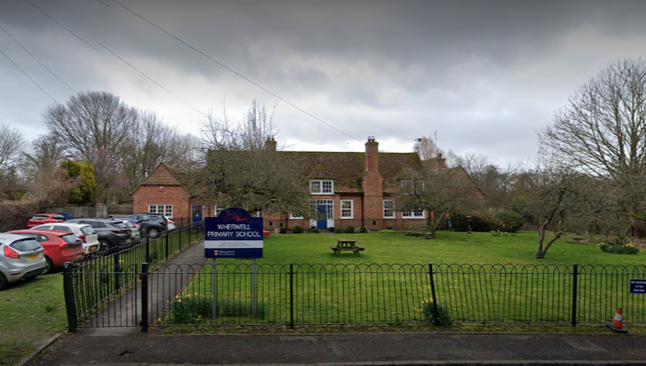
(27, 75)
(233, 71)
(36, 58)
(151, 79)
(55, 21)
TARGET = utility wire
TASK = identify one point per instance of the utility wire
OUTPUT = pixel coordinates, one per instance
(27, 75)
(35, 58)
(233, 71)
(151, 79)
(55, 21)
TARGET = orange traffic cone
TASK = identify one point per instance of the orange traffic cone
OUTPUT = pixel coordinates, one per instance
(617, 325)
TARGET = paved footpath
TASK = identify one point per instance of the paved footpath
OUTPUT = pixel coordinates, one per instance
(127, 346)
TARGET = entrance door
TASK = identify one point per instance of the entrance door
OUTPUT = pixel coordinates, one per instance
(321, 217)
(324, 210)
(197, 213)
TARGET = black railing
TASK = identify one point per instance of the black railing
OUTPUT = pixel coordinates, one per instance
(105, 291)
(98, 287)
(331, 294)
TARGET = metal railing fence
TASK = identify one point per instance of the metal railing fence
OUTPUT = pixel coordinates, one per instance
(317, 294)
(98, 287)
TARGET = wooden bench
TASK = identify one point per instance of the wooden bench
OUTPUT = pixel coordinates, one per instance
(346, 245)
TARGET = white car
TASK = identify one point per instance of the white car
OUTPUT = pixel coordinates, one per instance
(134, 230)
(84, 231)
(171, 223)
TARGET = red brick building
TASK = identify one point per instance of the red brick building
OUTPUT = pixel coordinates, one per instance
(347, 189)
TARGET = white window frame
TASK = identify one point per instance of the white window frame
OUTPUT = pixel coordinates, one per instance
(421, 214)
(321, 186)
(347, 212)
(411, 186)
(293, 216)
(390, 203)
(161, 209)
(217, 210)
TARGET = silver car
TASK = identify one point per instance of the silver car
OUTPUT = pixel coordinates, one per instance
(20, 258)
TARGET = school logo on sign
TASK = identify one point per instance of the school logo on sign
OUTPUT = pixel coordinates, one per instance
(233, 234)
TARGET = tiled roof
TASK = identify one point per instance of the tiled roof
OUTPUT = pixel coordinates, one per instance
(348, 168)
(162, 175)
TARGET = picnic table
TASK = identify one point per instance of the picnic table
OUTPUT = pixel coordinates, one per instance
(346, 245)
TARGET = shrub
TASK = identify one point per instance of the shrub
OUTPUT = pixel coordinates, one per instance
(363, 229)
(297, 229)
(338, 231)
(282, 230)
(510, 221)
(619, 249)
(349, 229)
(478, 224)
(444, 318)
(313, 230)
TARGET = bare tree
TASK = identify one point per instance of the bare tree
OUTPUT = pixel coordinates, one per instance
(602, 132)
(11, 142)
(438, 193)
(95, 127)
(249, 134)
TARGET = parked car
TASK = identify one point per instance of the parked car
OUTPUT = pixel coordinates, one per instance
(134, 229)
(60, 246)
(170, 222)
(152, 224)
(45, 218)
(112, 233)
(21, 258)
(85, 232)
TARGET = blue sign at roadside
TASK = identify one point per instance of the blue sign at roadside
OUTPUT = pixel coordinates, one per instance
(637, 286)
(233, 234)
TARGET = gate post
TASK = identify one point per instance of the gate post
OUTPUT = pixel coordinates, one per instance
(70, 303)
(144, 297)
(436, 320)
(575, 288)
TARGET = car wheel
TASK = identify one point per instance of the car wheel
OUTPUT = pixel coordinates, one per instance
(153, 233)
(3, 282)
(49, 267)
(104, 247)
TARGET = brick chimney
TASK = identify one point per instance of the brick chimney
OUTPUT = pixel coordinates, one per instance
(372, 185)
(271, 144)
(372, 155)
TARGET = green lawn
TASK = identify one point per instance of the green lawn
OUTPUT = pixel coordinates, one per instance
(33, 312)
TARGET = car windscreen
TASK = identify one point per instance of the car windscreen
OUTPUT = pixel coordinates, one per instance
(25, 245)
(71, 239)
(40, 217)
(88, 230)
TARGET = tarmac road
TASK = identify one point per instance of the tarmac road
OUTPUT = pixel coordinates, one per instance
(129, 347)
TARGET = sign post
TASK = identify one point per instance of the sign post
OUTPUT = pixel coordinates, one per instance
(233, 234)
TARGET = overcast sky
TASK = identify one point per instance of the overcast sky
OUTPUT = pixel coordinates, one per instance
(484, 76)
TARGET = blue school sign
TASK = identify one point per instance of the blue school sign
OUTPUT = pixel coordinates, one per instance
(233, 234)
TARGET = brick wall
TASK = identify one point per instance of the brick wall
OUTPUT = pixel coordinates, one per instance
(162, 195)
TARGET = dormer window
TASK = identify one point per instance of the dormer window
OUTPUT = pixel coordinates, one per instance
(320, 186)
(411, 186)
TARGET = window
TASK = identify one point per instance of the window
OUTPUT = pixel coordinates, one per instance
(295, 216)
(411, 186)
(322, 187)
(166, 210)
(415, 214)
(389, 209)
(346, 209)
(218, 210)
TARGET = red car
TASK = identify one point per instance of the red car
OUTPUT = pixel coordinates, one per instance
(45, 218)
(60, 246)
